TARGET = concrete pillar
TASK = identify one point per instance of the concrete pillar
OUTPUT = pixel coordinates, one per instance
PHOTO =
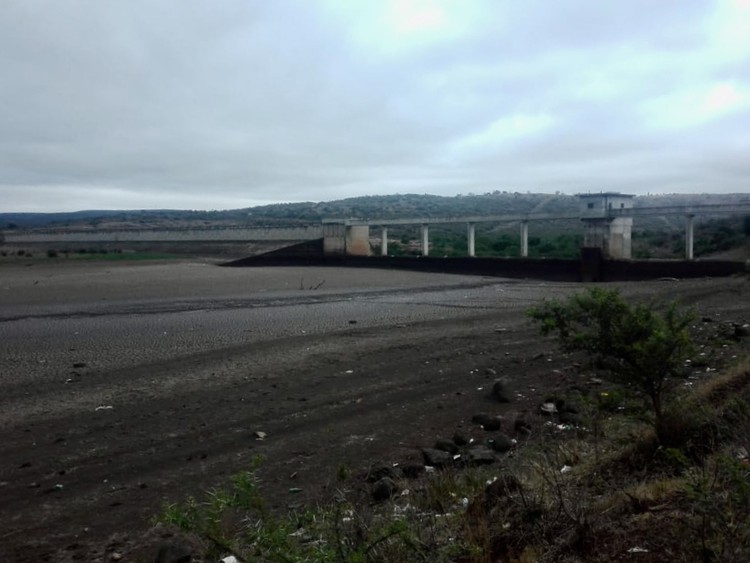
(524, 239)
(470, 230)
(384, 242)
(357, 241)
(425, 240)
(689, 237)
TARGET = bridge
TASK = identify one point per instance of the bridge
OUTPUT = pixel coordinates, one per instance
(607, 220)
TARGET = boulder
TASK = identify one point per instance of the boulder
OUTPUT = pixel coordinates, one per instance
(381, 470)
(459, 439)
(521, 425)
(501, 443)
(436, 458)
(446, 446)
(480, 455)
(487, 421)
(501, 392)
(383, 489)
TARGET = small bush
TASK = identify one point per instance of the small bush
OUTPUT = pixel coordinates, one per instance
(52, 254)
(636, 344)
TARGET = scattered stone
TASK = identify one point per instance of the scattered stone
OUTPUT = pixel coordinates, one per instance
(446, 446)
(384, 489)
(501, 392)
(116, 556)
(548, 408)
(436, 458)
(480, 455)
(259, 435)
(501, 443)
(487, 421)
(379, 471)
(490, 371)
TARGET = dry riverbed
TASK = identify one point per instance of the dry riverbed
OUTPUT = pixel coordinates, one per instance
(127, 386)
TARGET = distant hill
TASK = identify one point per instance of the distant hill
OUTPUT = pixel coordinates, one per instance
(387, 206)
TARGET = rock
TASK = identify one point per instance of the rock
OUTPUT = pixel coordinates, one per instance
(741, 331)
(436, 458)
(487, 421)
(490, 371)
(521, 425)
(501, 443)
(480, 455)
(174, 553)
(548, 408)
(501, 392)
(384, 489)
(459, 439)
(378, 471)
(502, 487)
(412, 470)
(446, 446)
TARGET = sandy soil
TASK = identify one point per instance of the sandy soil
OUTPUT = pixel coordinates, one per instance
(123, 387)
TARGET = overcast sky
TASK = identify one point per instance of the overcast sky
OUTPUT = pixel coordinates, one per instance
(188, 104)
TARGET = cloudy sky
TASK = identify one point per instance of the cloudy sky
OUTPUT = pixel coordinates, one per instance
(205, 104)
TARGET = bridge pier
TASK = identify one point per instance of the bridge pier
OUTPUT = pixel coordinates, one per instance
(524, 239)
(384, 242)
(425, 240)
(689, 233)
(470, 231)
(340, 239)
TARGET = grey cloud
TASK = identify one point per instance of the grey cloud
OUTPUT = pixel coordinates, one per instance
(202, 104)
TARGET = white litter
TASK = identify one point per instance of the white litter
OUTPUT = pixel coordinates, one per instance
(566, 469)
(637, 550)
(104, 408)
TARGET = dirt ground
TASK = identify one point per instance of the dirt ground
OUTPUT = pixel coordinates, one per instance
(125, 387)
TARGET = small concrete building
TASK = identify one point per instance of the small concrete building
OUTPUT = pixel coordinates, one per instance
(606, 223)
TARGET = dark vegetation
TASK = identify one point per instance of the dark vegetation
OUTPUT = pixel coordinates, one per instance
(619, 480)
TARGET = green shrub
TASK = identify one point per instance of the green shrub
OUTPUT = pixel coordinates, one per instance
(639, 346)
